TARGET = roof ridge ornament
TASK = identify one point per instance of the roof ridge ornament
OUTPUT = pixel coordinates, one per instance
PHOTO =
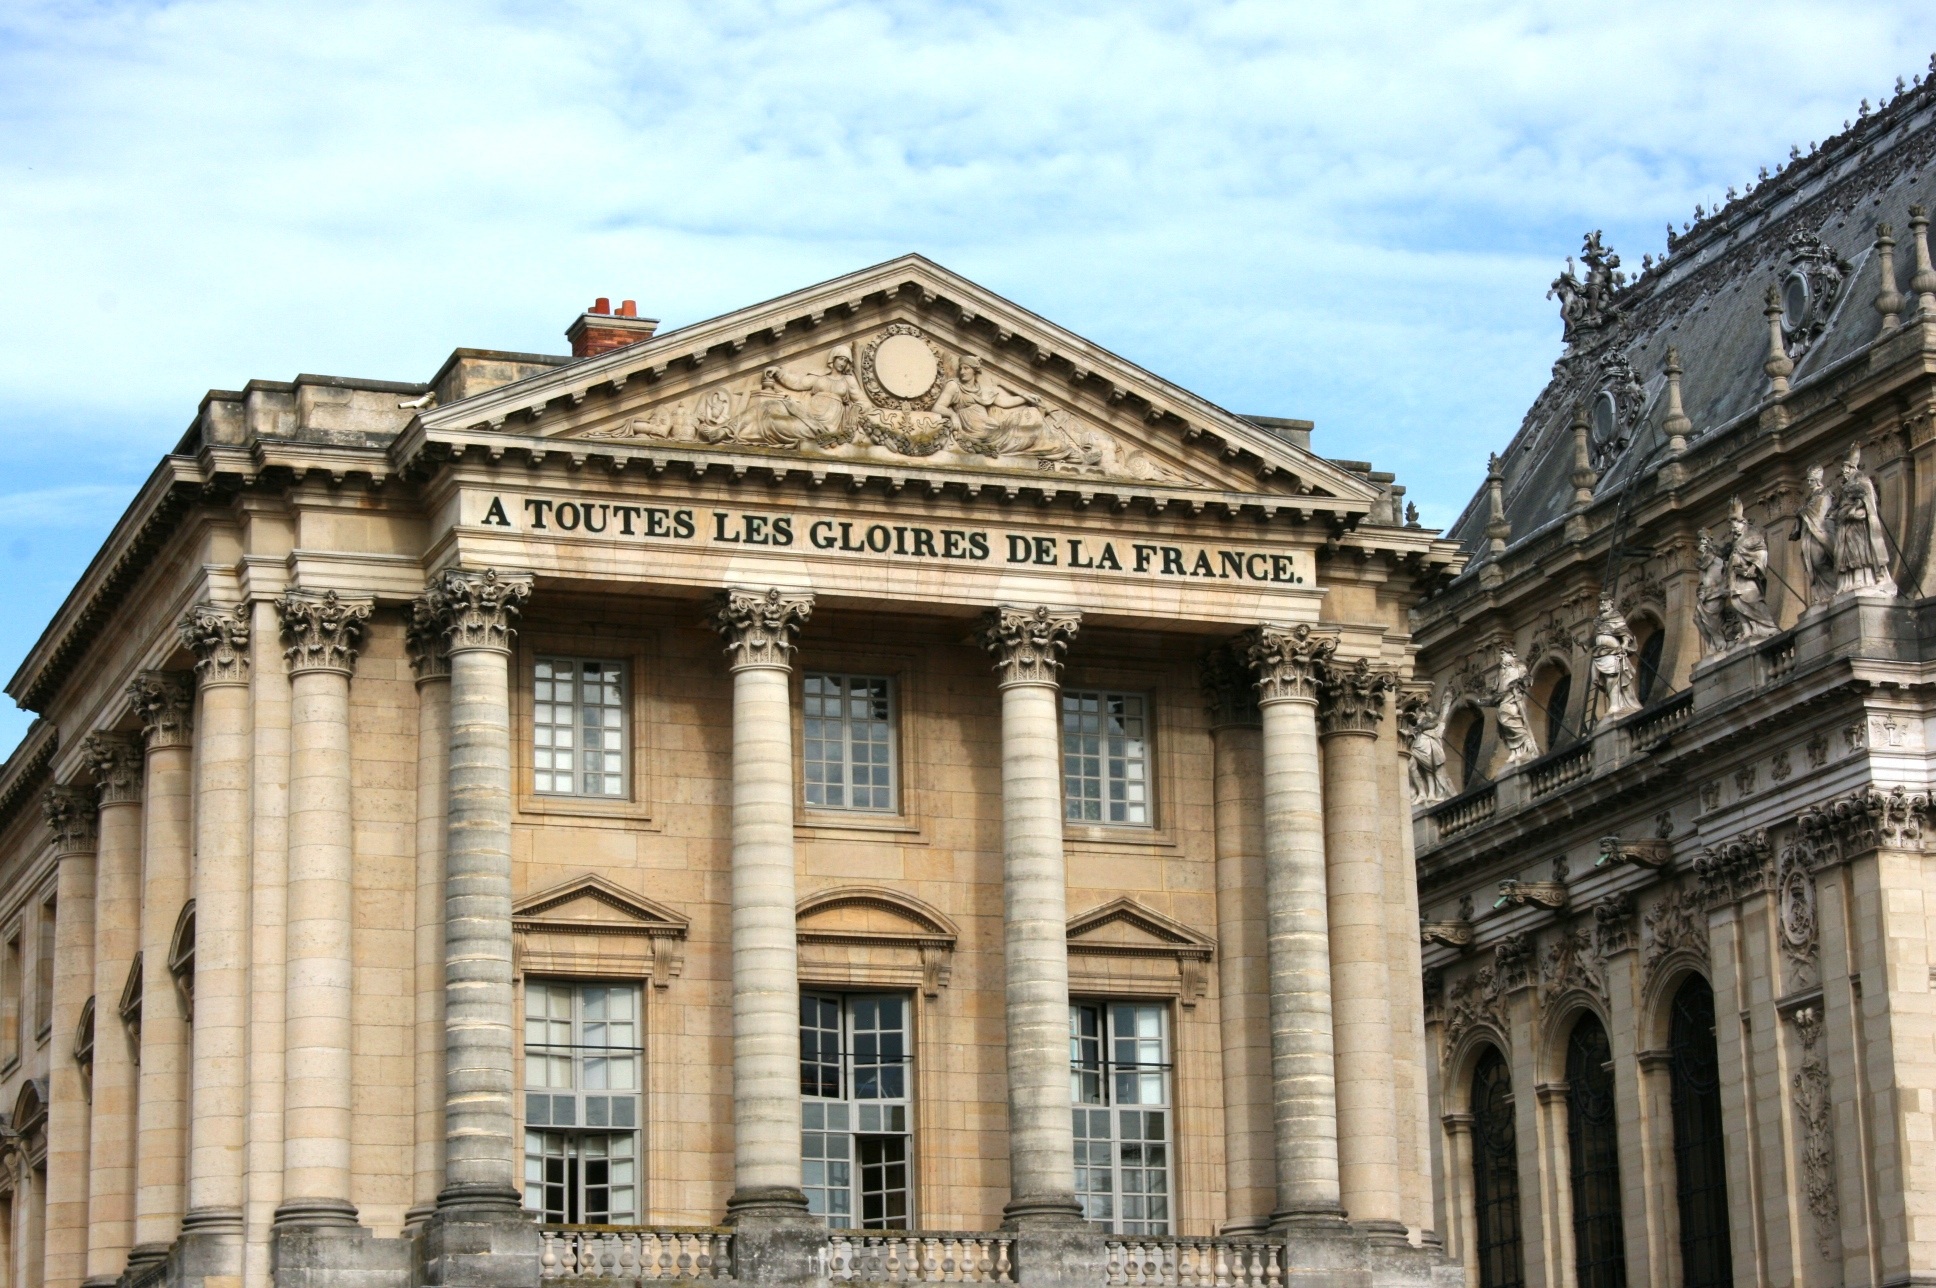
(1587, 304)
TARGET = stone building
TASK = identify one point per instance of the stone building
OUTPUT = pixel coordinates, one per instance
(827, 793)
(1671, 760)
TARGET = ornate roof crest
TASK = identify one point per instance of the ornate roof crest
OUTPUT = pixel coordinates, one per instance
(1586, 305)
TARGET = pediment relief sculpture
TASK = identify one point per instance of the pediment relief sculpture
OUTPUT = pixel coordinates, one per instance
(894, 395)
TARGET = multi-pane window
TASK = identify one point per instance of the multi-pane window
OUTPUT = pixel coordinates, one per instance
(1700, 1146)
(1495, 1175)
(582, 1060)
(1105, 757)
(578, 727)
(855, 1090)
(849, 741)
(1119, 1083)
(1593, 1147)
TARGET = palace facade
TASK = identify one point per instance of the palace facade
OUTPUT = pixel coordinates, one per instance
(870, 787)
(1671, 780)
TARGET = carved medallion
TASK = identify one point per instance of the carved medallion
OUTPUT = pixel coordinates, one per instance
(900, 368)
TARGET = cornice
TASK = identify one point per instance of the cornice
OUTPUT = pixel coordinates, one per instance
(23, 774)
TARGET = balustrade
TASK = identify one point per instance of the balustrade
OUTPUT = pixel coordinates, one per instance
(608, 1252)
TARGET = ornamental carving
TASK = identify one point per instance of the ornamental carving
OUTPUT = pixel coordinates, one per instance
(1817, 1121)
(1587, 304)
(165, 702)
(1613, 923)
(321, 632)
(1675, 925)
(1229, 690)
(1616, 409)
(116, 761)
(759, 626)
(71, 817)
(1541, 894)
(1421, 739)
(1809, 291)
(1570, 964)
(1477, 1001)
(1655, 853)
(1863, 820)
(1512, 961)
(1731, 602)
(1289, 663)
(1028, 643)
(218, 636)
(1456, 935)
(1351, 699)
(900, 397)
(480, 609)
(1799, 928)
(1734, 870)
(423, 637)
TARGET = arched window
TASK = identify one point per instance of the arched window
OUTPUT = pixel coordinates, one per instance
(1700, 1164)
(1495, 1175)
(1557, 695)
(1651, 649)
(1599, 1249)
(1470, 744)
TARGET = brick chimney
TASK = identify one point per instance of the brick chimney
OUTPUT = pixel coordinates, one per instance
(600, 329)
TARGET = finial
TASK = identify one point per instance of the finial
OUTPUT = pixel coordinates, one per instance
(1699, 214)
(1888, 300)
(1498, 530)
(1646, 263)
(1762, 174)
(1583, 476)
(1794, 151)
(1676, 424)
(1899, 87)
(1779, 366)
(1924, 282)
(1863, 113)
(1730, 192)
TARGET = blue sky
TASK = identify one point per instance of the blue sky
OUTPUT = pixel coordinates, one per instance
(1343, 212)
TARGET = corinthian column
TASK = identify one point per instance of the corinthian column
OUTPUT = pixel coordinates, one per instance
(1243, 988)
(424, 639)
(479, 613)
(1350, 708)
(1304, 1107)
(320, 635)
(218, 1097)
(1028, 645)
(759, 630)
(70, 813)
(116, 762)
(164, 701)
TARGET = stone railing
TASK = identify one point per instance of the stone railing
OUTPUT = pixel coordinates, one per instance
(1648, 727)
(1463, 813)
(1193, 1263)
(1561, 769)
(1778, 661)
(914, 1257)
(633, 1253)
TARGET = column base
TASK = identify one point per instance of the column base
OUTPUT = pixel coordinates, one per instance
(1062, 1254)
(785, 1247)
(1042, 1211)
(209, 1250)
(316, 1214)
(417, 1217)
(480, 1202)
(767, 1202)
(1248, 1228)
(100, 1281)
(1386, 1234)
(143, 1257)
(474, 1241)
(1323, 1220)
(335, 1255)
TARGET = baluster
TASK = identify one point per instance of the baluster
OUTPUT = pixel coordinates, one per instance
(1004, 1267)
(688, 1252)
(948, 1260)
(628, 1256)
(981, 1264)
(1189, 1261)
(548, 1259)
(931, 1260)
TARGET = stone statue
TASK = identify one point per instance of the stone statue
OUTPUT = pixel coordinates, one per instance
(818, 407)
(1588, 305)
(990, 419)
(1861, 553)
(1711, 599)
(1813, 529)
(1747, 560)
(1616, 685)
(1421, 729)
(1512, 695)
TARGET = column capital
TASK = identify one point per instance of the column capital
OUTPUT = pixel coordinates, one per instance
(218, 636)
(1351, 699)
(423, 638)
(1229, 687)
(321, 632)
(1028, 643)
(478, 609)
(1288, 663)
(165, 701)
(759, 626)
(116, 760)
(71, 817)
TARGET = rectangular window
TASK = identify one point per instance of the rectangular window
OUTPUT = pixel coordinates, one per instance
(44, 973)
(578, 727)
(855, 1077)
(1105, 757)
(1119, 1085)
(12, 996)
(582, 1066)
(848, 723)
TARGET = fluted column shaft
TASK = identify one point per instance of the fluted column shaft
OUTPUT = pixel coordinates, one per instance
(759, 630)
(71, 820)
(164, 701)
(1351, 706)
(1304, 1106)
(1028, 645)
(117, 765)
(432, 666)
(218, 1095)
(1237, 752)
(479, 612)
(321, 635)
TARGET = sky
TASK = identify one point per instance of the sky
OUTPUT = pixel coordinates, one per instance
(1347, 213)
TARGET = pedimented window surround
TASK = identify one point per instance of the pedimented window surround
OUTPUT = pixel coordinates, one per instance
(589, 926)
(875, 937)
(1125, 948)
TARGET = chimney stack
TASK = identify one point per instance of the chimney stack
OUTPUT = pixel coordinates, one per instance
(601, 329)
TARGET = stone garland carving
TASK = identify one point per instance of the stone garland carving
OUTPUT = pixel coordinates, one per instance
(1617, 407)
(218, 636)
(1421, 739)
(1351, 699)
(1817, 749)
(71, 817)
(1512, 693)
(1570, 963)
(1229, 689)
(903, 398)
(1731, 606)
(1861, 553)
(1816, 1116)
(1552, 638)
(1799, 928)
(423, 637)
(1028, 643)
(759, 626)
(165, 703)
(1477, 1001)
(321, 632)
(1616, 677)
(1613, 923)
(116, 761)
(1289, 664)
(1676, 924)
(1734, 870)
(479, 609)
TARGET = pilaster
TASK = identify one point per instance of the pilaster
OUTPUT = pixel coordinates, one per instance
(72, 827)
(116, 761)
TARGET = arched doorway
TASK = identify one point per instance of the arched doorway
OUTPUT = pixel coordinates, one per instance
(1495, 1174)
(1593, 1143)
(1700, 1160)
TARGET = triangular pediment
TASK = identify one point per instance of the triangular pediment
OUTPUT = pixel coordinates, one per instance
(1125, 925)
(592, 901)
(902, 365)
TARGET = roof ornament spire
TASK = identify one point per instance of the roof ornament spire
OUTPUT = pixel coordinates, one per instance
(1583, 476)
(1779, 366)
(1586, 304)
(1675, 424)
(1498, 528)
(1888, 300)
(1924, 282)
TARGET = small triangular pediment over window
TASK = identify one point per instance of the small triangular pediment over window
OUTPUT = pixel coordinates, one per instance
(1126, 930)
(590, 926)
(592, 899)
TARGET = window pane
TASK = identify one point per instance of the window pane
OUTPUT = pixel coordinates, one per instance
(847, 744)
(855, 1149)
(581, 1043)
(1119, 1054)
(1105, 770)
(578, 727)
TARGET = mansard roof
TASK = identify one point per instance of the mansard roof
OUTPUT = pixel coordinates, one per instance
(1815, 219)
